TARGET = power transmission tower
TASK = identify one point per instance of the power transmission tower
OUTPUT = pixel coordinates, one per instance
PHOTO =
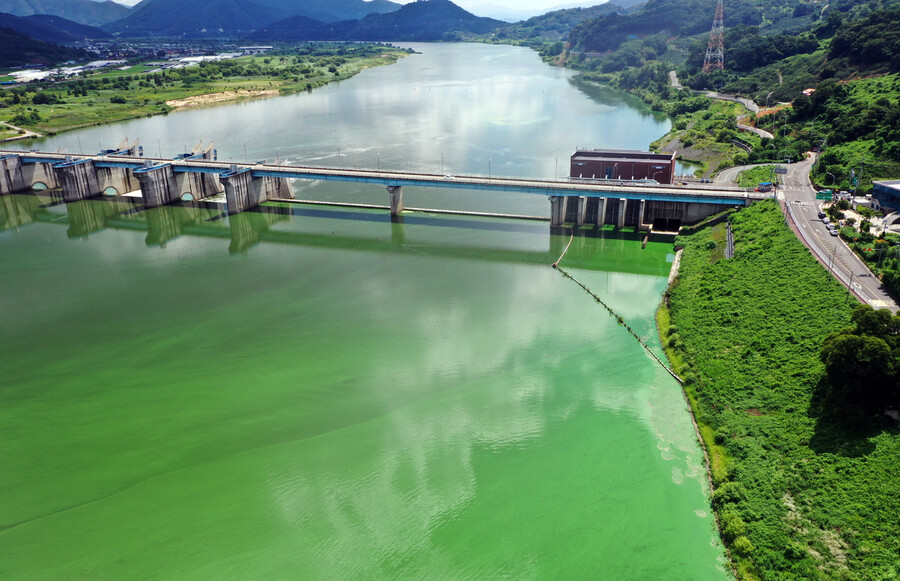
(715, 51)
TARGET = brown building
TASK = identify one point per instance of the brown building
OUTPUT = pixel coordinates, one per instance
(623, 164)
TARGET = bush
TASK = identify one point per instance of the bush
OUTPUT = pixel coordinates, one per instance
(117, 99)
(732, 525)
(743, 547)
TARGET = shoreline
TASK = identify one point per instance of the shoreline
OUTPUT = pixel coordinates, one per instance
(72, 113)
(220, 97)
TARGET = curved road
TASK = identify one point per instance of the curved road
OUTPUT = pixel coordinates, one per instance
(833, 252)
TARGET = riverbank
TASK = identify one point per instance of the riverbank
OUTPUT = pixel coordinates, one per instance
(796, 492)
(114, 96)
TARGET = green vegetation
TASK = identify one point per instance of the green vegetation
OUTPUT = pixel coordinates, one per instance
(17, 49)
(862, 120)
(553, 26)
(757, 175)
(105, 98)
(846, 51)
(862, 364)
(799, 492)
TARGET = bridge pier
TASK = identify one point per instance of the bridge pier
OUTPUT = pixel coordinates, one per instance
(557, 211)
(396, 193)
(623, 206)
(243, 191)
(158, 185)
(640, 223)
(78, 178)
(16, 176)
(601, 212)
(580, 211)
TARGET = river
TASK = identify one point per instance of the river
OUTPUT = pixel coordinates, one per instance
(315, 392)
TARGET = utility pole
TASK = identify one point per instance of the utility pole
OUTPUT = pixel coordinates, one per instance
(715, 50)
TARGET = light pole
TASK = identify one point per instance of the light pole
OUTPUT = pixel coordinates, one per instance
(833, 179)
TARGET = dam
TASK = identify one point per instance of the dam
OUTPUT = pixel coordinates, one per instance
(198, 175)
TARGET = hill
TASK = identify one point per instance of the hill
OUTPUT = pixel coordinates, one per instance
(558, 24)
(422, 21)
(17, 49)
(81, 11)
(233, 18)
(50, 28)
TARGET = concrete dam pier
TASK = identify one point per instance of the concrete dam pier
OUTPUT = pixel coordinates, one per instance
(198, 175)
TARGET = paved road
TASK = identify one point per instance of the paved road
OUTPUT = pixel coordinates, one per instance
(28, 133)
(832, 250)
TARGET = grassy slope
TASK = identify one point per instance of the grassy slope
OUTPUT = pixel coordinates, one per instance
(694, 137)
(96, 108)
(797, 495)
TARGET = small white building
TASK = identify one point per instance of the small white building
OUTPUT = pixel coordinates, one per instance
(866, 202)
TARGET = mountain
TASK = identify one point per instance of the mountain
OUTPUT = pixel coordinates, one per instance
(17, 49)
(420, 21)
(230, 18)
(50, 28)
(80, 11)
(520, 14)
(557, 25)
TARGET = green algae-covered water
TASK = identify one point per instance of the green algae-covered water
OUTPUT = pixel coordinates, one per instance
(306, 392)
(312, 393)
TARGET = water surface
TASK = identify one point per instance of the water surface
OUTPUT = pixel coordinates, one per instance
(311, 392)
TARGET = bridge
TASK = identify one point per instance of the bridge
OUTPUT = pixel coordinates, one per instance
(197, 175)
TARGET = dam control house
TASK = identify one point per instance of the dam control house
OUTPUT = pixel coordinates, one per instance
(622, 164)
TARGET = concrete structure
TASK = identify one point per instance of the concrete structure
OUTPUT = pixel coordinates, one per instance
(164, 183)
(243, 191)
(198, 175)
(622, 164)
(16, 176)
(887, 193)
(641, 214)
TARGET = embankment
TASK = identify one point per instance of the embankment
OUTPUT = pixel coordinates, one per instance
(797, 494)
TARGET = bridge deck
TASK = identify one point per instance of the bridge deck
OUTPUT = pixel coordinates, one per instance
(696, 193)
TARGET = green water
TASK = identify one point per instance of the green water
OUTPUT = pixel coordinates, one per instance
(315, 393)
(324, 394)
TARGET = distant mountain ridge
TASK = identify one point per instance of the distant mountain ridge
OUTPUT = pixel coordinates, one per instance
(86, 12)
(420, 21)
(17, 49)
(48, 28)
(558, 24)
(229, 18)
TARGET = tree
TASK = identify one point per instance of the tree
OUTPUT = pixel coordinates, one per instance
(863, 362)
